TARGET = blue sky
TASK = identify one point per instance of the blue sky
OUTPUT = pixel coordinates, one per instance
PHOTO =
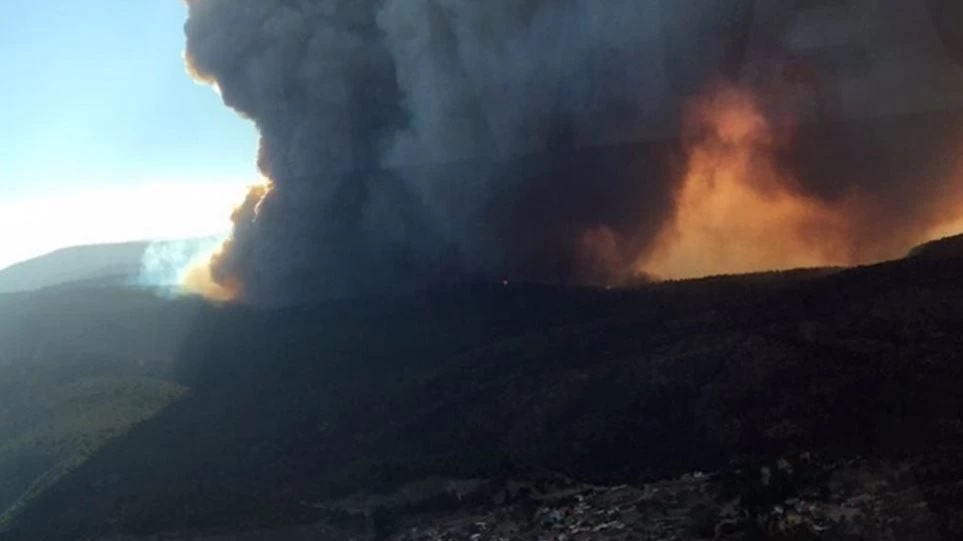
(98, 119)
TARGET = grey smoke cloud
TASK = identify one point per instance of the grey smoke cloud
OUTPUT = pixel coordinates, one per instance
(418, 140)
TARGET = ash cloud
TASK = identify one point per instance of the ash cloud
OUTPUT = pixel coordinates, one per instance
(416, 141)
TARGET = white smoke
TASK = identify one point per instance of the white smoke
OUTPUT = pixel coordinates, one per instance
(166, 262)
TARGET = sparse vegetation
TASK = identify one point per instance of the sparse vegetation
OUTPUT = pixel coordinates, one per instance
(294, 409)
(78, 367)
(67, 425)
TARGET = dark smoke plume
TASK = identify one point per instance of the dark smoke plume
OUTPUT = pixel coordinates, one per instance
(415, 141)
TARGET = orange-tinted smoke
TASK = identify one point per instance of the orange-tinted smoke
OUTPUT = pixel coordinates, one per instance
(945, 214)
(203, 279)
(736, 209)
(198, 281)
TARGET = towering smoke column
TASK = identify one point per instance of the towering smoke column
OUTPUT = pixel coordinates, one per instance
(416, 140)
(412, 141)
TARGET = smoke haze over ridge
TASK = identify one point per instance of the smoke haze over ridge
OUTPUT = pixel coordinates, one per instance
(412, 141)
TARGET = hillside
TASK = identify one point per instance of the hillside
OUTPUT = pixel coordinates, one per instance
(940, 248)
(93, 320)
(111, 262)
(322, 419)
(50, 424)
(79, 365)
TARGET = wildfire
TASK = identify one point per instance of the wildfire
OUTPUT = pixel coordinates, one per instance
(947, 213)
(736, 210)
(948, 229)
(200, 279)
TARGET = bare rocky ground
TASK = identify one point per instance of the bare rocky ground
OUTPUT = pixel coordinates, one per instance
(801, 497)
(853, 499)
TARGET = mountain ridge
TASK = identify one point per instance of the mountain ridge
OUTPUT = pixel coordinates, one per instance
(115, 261)
(607, 387)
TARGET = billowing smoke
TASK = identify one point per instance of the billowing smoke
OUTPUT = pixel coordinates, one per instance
(166, 263)
(415, 141)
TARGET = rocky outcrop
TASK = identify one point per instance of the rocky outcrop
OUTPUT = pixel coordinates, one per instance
(791, 498)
